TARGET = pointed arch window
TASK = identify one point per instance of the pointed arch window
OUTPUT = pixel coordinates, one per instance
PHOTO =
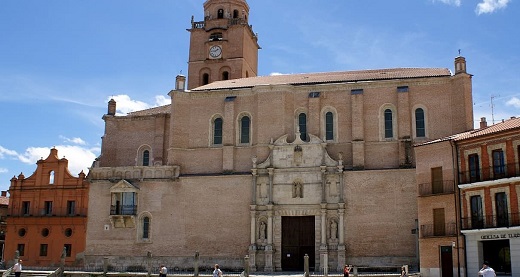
(420, 126)
(217, 131)
(329, 126)
(302, 125)
(389, 128)
(245, 129)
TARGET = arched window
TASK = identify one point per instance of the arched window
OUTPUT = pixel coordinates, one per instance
(146, 227)
(51, 177)
(235, 14)
(220, 13)
(329, 126)
(217, 131)
(205, 79)
(245, 128)
(146, 158)
(225, 75)
(420, 128)
(389, 128)
(302, 125)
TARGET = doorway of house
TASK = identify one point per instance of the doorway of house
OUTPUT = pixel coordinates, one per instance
(497, 253)
(446, 261)
(298, 236)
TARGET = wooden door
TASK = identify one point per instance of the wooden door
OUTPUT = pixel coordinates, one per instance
(446, 261)
(297, 240)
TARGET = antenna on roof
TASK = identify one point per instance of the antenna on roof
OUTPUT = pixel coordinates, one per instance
(459, 52)
(492, 109)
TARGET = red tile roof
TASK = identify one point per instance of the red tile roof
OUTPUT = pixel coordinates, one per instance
(328, 77)
(506, 125)
(157, 110)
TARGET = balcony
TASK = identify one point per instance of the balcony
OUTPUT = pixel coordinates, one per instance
(55, 212)
(488, 174)
(434, 188)
(123, 210)
(491, 221)
(441, 230)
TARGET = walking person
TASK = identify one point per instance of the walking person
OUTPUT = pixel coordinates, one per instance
(487, 271)
(17, 268)
(217, 272)
(403, 272)
(346, 271)
(163, 271)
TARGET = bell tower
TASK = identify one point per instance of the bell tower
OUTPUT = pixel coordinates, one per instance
(223, 46)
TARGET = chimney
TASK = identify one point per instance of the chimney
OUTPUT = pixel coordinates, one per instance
(483, 122)
(180, 82)
(460, 65)
(112, 107)
(4, 193)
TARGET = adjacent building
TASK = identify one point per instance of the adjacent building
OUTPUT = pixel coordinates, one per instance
(469, 201)
(273, 167)
(4, 204)
(47, 214)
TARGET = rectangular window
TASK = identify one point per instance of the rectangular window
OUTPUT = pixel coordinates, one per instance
(474, 168)
(71, 207)
(477, 216)
(43, 250)
(437, 182)
(26, 207)
(402, 89)
(329, 126)
(21, 249)
(389, 130)
(217, 131)
(438, 222)
(68, 249)
(48, 207)
(123, 203)
(498, 163)
(356, 91)
(501, 209)
(245, 125)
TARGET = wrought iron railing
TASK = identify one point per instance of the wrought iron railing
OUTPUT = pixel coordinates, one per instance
(440, 187)
(55, 211)
(438, 230)
(490, 221)
(488, 173)
(123, 210)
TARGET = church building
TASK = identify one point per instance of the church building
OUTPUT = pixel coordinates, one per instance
(272, 167)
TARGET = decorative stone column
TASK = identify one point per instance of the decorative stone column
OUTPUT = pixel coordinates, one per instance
(271, 177)
(341, 234)
(323, 184)
(269, 247)
(252, 245)
(323, 245)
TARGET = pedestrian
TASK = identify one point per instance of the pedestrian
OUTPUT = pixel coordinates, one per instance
(487, 271)
(217, 272)
(403, 272)
(17, 268)
(346, 271)
(163, 271)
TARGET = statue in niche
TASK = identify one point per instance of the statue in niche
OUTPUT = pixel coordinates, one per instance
(297, 190)
(262, 231)
(254, 160)
(333, 230)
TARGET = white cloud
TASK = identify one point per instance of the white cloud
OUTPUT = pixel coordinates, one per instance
(275, 74)
(515, 102)
(161, 100)
(3, 170)
(125, 104)
(6, 152)
(80, 158)
(450, 2)
(78, 141)
(489, 6)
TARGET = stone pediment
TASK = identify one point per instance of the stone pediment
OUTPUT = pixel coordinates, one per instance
(124, 186)
(298, 153)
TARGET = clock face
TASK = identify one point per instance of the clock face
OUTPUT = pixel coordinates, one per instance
(215, 52)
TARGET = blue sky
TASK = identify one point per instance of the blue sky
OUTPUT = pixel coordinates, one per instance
(61, 61)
